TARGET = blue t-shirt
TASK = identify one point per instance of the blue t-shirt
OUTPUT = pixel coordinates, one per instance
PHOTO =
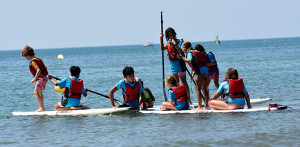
(202, 69)
(66, 82)
(179, 106)
(121, 85)
(210, 57)
(225, 86)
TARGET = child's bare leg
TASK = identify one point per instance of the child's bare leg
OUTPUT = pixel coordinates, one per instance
(39, 97)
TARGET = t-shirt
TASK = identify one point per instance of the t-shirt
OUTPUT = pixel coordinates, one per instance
(179, 106)
(121, 85)
(66, 82)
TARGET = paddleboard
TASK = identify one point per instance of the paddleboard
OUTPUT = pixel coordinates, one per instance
(156, 110)
(74, 112)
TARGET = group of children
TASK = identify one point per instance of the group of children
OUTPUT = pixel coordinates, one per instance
(203, 64)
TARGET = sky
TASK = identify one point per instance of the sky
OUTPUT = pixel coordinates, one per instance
(79, 23)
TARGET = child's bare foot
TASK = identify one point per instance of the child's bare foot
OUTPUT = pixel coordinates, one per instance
(198, 109)
(73, 108)
(40, 110)
(162, 109)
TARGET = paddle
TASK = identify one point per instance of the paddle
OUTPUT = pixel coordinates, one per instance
(117, 101)
(162, 55)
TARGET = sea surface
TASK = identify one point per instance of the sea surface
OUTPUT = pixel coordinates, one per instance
(269, 67)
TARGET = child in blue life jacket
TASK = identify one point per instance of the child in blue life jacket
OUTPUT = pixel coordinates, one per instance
(179, 99)
(39, 72)
(149, 98)
(178, 67)
(234, 87)
(197, 61)
(74, 88)
(131, 87)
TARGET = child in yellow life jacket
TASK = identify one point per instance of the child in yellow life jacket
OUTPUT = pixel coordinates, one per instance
(74, 88)
(179, 99)
(39, 72)
(132, 89)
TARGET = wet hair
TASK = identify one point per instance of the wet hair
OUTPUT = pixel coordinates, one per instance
(75, 70)
(171, 79)
(27, 51)
(199, 48)
(169, 30)
(127, 71)
(231, 74)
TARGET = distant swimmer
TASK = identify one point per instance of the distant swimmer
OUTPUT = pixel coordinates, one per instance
(131, 87)
(179, 99)
(235, 90)
(173, 47)
(39, 72)
(74, 88)
(196, 58)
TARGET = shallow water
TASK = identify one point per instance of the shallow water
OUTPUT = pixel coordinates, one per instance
(269, 67)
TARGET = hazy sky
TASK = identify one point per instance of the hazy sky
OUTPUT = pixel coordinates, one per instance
(76, 23)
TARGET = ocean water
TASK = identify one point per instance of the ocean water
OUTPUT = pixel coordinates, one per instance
(269, 67)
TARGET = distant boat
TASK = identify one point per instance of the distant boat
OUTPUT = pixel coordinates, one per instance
(148, 44)
(217, 40)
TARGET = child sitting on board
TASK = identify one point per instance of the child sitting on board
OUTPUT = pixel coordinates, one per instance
(39, 72)
(74, 88)
(131, 87)
(234, 87)
(179, 99)
(149, 98)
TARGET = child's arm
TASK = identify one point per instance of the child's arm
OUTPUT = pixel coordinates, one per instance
(177, 47)
(143, 101)
(38, 72)
(52, 80)
(248, 100)
(111, 96)
(189, 61)
(162, 46)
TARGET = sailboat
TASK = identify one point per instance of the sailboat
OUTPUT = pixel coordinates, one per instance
(217, 40)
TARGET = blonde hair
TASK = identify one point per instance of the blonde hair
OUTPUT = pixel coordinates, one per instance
(171, 79)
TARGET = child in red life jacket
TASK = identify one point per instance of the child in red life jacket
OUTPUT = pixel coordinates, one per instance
(132, 89)
(179, 99)
(149, 98)
(234, 87)
(197, 61)
(39, 72)
(173, 47)
(73, 89)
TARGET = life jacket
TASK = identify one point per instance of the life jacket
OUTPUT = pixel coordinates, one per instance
(198, 60)
(75, 90)
(150, 96)
(172, 52)
(236, 88)
(180, 93)
(40, 64)
(132, 93)
(210, 68)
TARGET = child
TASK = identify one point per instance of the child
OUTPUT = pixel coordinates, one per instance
(179, 99)
(39, 71)
(178, 67)
(213, 70)
(132, 89)
(197, 61)
(235, 88)
(73, 89)
(149, 98)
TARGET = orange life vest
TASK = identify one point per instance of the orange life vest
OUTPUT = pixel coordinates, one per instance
(75, 90)
(40, 64)
(132, 93)
(236, 88)
(172, 52)
(198, 60)
(180, 93)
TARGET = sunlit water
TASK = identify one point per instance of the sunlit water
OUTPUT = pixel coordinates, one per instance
(269, 67)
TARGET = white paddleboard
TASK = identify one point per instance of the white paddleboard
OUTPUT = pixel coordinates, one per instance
(252, 101)
(74, 112)
(156, 110)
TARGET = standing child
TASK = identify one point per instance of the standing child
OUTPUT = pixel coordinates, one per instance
(197, 61)
(73, 89)
(39, 71)
(213, 70)
(178, 67)
(132, 89)
(234, 87)
(179, 99)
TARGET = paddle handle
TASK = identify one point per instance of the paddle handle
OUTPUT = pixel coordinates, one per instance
(162, 55)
